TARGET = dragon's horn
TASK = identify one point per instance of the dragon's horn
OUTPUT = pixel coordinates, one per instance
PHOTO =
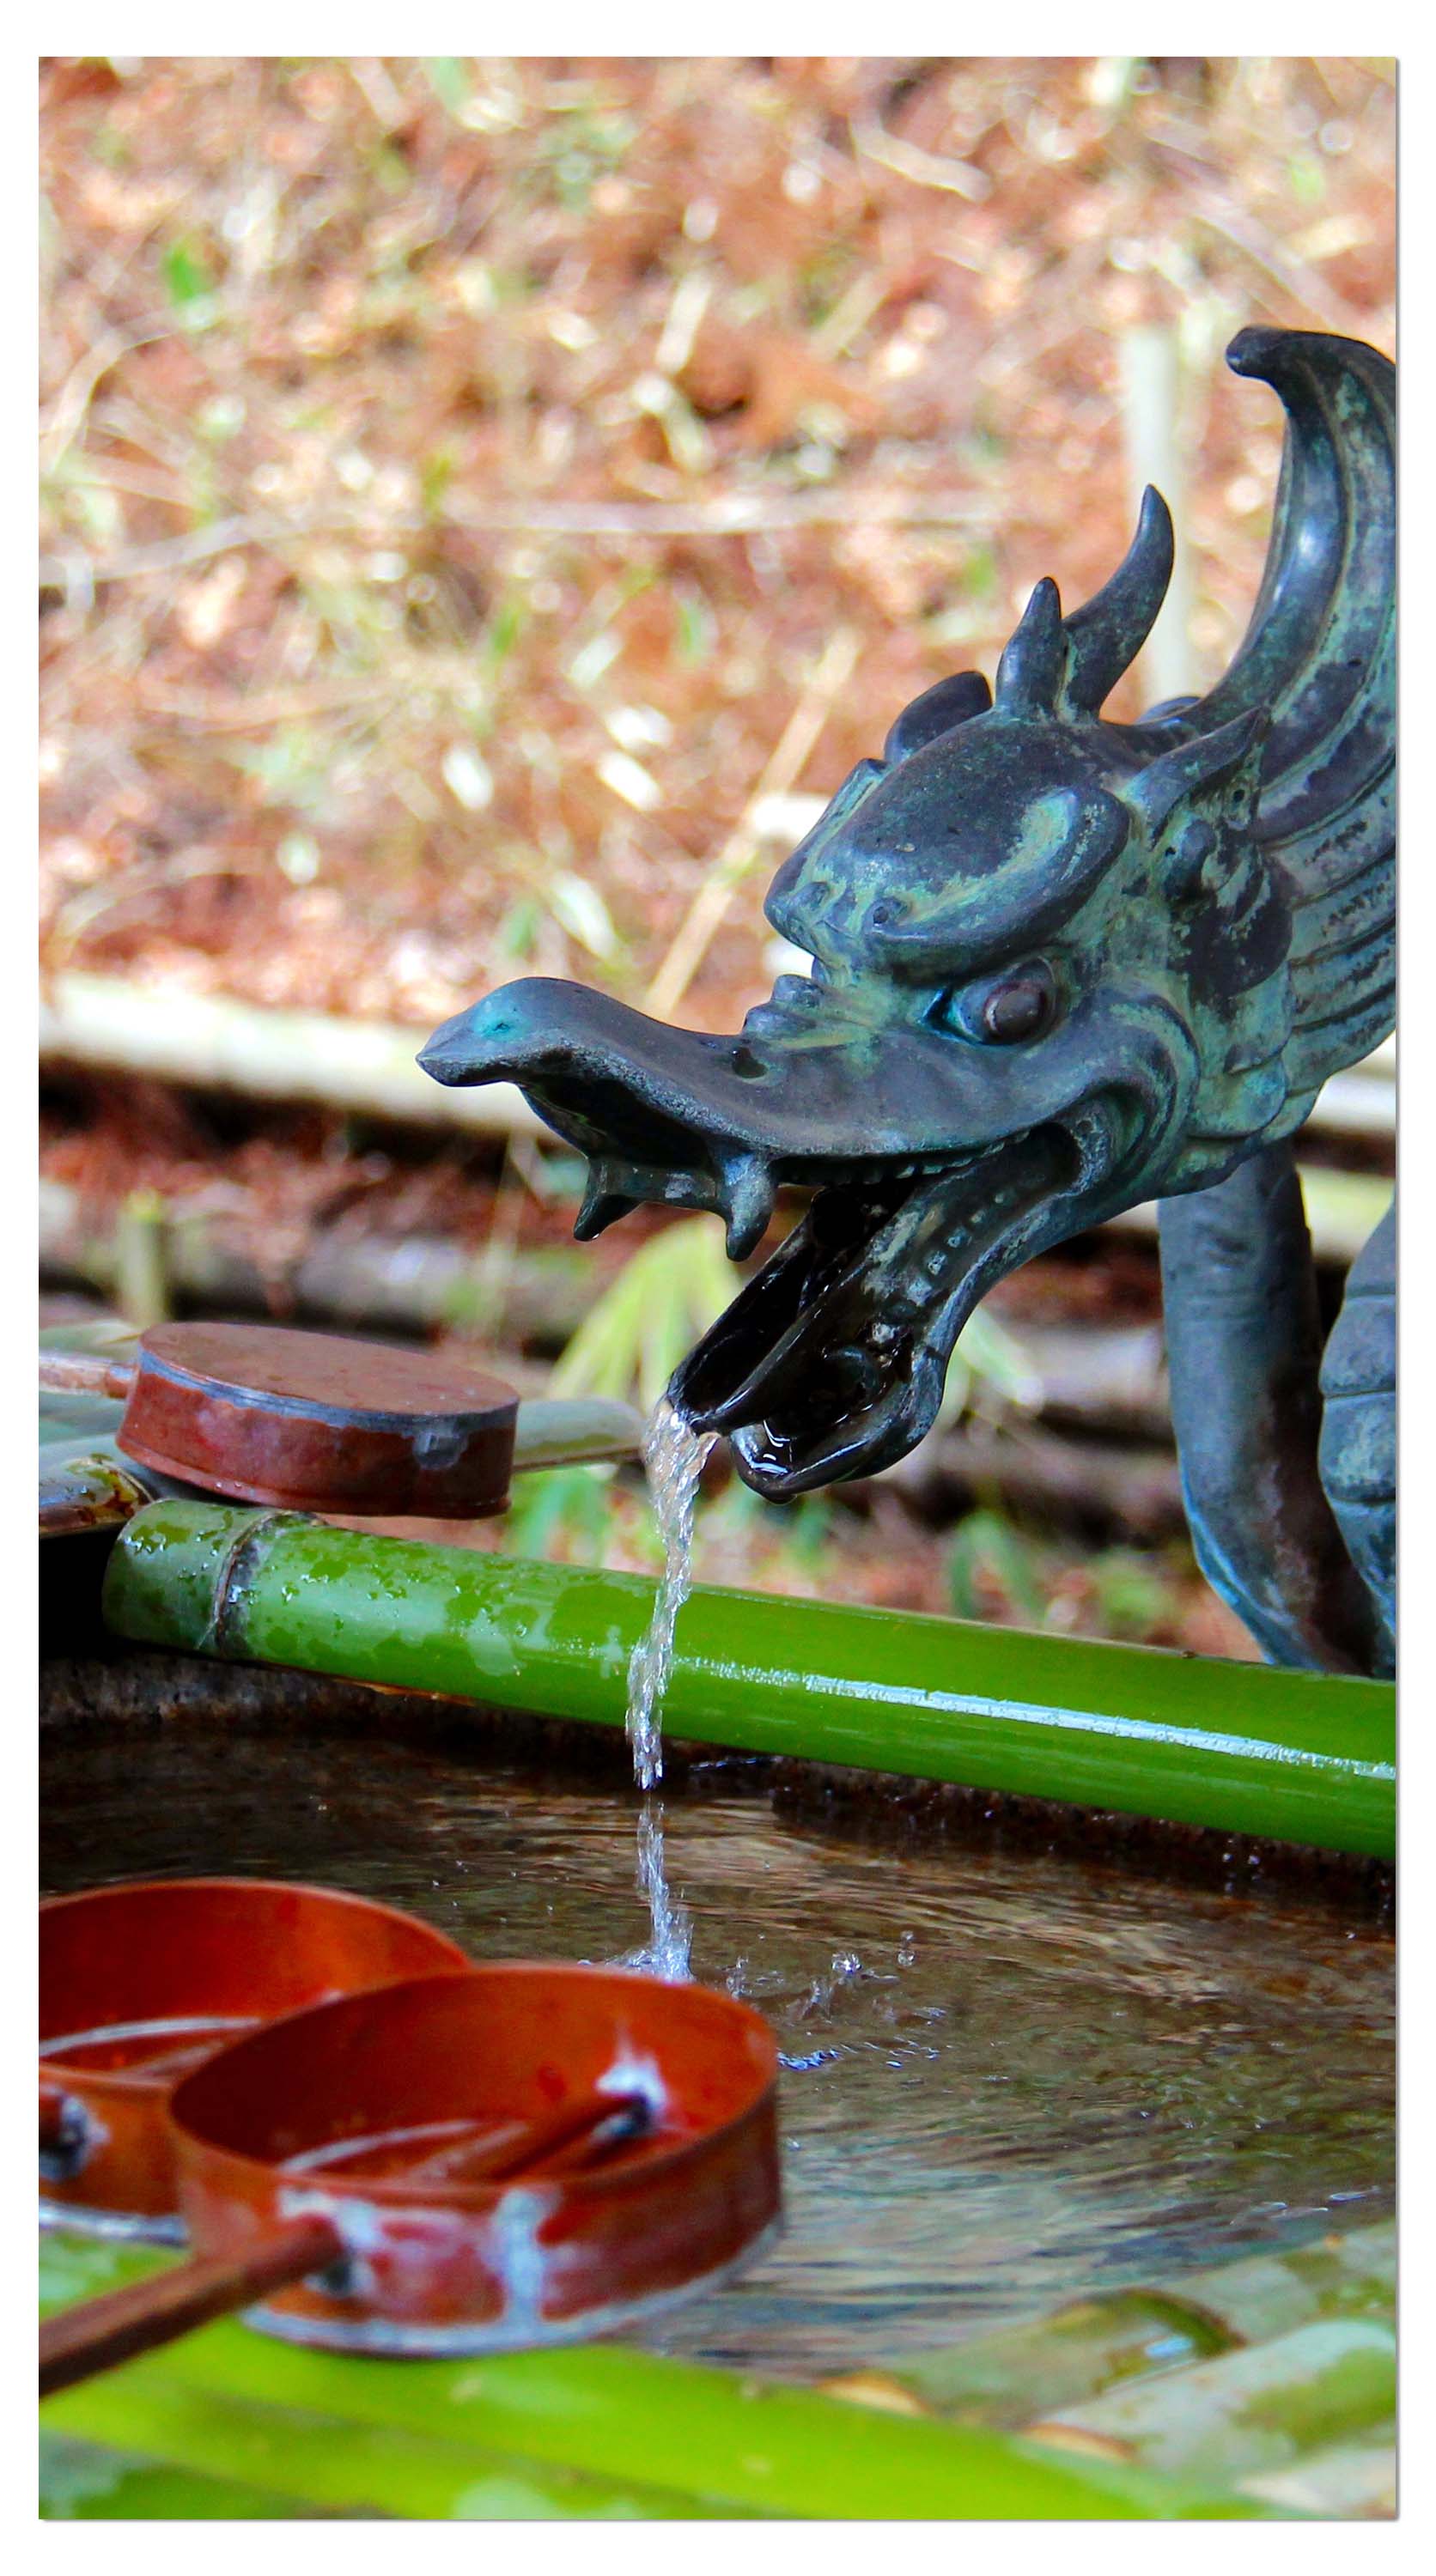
(1107, 635)
(1030, 671)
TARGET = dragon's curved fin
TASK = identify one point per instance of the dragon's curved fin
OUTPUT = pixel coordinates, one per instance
(1320, 655)
(948, 703)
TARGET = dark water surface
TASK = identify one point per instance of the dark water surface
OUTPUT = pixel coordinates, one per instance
(1022, 2079)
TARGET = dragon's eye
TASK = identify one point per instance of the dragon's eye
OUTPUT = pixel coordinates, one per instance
(1005, 1009)
(1020, 1009)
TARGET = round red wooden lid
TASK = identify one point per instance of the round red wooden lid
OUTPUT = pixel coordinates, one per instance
(320, 1422)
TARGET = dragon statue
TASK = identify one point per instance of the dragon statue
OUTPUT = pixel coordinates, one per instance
(1062, 966)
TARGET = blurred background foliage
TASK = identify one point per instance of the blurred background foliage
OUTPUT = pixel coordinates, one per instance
(480, 497)
(392, 411)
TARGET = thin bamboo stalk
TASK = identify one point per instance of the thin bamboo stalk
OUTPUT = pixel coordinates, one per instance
(740, 851)
(1079, 2352)
(142, 1286)
(216, 1043)
(410, 1281)
(1151, 413)
(725, 2442)
(1240, 1747)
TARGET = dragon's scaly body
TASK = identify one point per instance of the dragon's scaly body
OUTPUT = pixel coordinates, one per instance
(1061, 966)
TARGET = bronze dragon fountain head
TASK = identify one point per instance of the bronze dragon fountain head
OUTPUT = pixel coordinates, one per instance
(1060, 966)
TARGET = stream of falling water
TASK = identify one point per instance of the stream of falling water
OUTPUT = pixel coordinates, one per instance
(673, 1455)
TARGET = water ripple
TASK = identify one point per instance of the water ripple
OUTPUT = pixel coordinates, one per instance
(1009, 2079)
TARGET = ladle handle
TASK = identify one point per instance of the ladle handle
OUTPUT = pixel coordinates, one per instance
(86, 1373)
(568, 2139)
(101, 2332)
(572, 2137)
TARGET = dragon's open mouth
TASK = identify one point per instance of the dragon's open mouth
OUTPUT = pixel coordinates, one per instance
(937, 1167)
(831, 1362)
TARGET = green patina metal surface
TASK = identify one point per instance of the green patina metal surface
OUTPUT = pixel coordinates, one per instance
(1062, 965)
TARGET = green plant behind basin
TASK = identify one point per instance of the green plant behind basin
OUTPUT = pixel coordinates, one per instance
(664, 1299)
(674, 1288)
(997, 1569)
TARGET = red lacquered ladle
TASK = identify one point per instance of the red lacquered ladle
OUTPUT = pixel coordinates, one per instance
(141, 1981)
(95, 2336)
(460, 2164)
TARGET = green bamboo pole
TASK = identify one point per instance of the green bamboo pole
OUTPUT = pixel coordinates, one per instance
(148, 2419)
(1239, 1747)
(321, 2464)
(1082, 2350)
(729, 2444)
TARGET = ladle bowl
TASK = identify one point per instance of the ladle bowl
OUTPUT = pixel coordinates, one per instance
(364, 2115)
(140, 1982)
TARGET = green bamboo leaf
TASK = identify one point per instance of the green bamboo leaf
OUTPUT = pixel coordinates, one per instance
(664, 1299)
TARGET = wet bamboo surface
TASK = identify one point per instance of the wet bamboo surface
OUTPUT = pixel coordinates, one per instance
(567, 2422)
(226, 2426)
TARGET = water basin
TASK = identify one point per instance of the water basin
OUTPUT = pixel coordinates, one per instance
(1013, 2078)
